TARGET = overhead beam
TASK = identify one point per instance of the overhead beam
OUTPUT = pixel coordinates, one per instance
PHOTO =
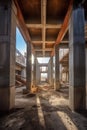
(34, 26)
(38, 42)
(21, 23)
(54, 26)
(67, 41)
(46, 49)
(50, 42)
(64, 46)
(47, 26)
(43, 21)
(43, 64)
(64, 27)
(43, 71)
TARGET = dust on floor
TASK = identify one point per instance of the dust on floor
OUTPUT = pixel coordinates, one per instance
(45, 110)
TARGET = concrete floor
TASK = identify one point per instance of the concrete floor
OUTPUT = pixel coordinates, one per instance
(46, 110)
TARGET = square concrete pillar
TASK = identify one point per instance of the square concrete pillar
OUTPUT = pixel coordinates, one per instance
(7, 54)
(86, 75)
(50, 71)
(77, 60)
(37, 72)
(51, 63)
(29, 68)
(57, 83)
(34, 71)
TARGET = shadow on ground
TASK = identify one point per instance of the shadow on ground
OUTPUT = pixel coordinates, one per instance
(51, 113)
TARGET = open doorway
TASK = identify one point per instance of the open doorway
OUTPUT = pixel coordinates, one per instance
(20, 67)
(43, 63)
(43, 77)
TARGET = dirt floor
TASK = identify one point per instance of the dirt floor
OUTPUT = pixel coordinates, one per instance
(46, 110)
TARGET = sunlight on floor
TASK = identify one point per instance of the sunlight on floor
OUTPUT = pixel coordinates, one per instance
(40, 113)
(67, 121)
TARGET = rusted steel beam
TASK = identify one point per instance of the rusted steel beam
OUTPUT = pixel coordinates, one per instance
(64, 27)
(21, 23)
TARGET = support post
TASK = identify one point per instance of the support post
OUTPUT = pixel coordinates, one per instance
(34, 73)
(77, 60)
(50, 68)
(49, 72)
(51, 62)
(7, 54)
(29, 68)
(57, 83)
(37, 72)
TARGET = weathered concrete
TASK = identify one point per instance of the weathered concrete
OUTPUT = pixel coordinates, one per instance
(77, 60)
(57, 83)
(50, 71)
(51, 62)
(53, 71)
(7, 54)
(29, 68)
(37, 72)
(23, 73)
(34, 71)
(67, 76)
(86, 76)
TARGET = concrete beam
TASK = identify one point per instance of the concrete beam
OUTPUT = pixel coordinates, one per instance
(29, 68)
(47, 26)
(57, 83)
(64, 27)
(43, 64)
(21, 23)
(43, 21)
(46, 49)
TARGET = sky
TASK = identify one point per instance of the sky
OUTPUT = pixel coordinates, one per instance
(21, 46)
(43, 59)
(20, 42)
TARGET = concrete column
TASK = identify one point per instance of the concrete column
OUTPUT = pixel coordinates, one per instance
(34, 71)
(77, 60)
(60, 72)
(67, 76)
(54, 72)
(86, 76)
(29, 68)
(51, 63)
(37, 73)
(50, 71)
(57, 84)
(7, 54)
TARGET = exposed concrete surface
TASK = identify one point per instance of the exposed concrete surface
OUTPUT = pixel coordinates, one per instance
(46, 110)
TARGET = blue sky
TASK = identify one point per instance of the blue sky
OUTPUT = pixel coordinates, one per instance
(21, 46)
(20, 43)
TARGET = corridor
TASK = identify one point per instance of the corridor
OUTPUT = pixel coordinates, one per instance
(43, 85)
(45, 109)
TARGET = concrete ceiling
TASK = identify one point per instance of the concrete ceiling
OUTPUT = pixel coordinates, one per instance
(44, 19)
